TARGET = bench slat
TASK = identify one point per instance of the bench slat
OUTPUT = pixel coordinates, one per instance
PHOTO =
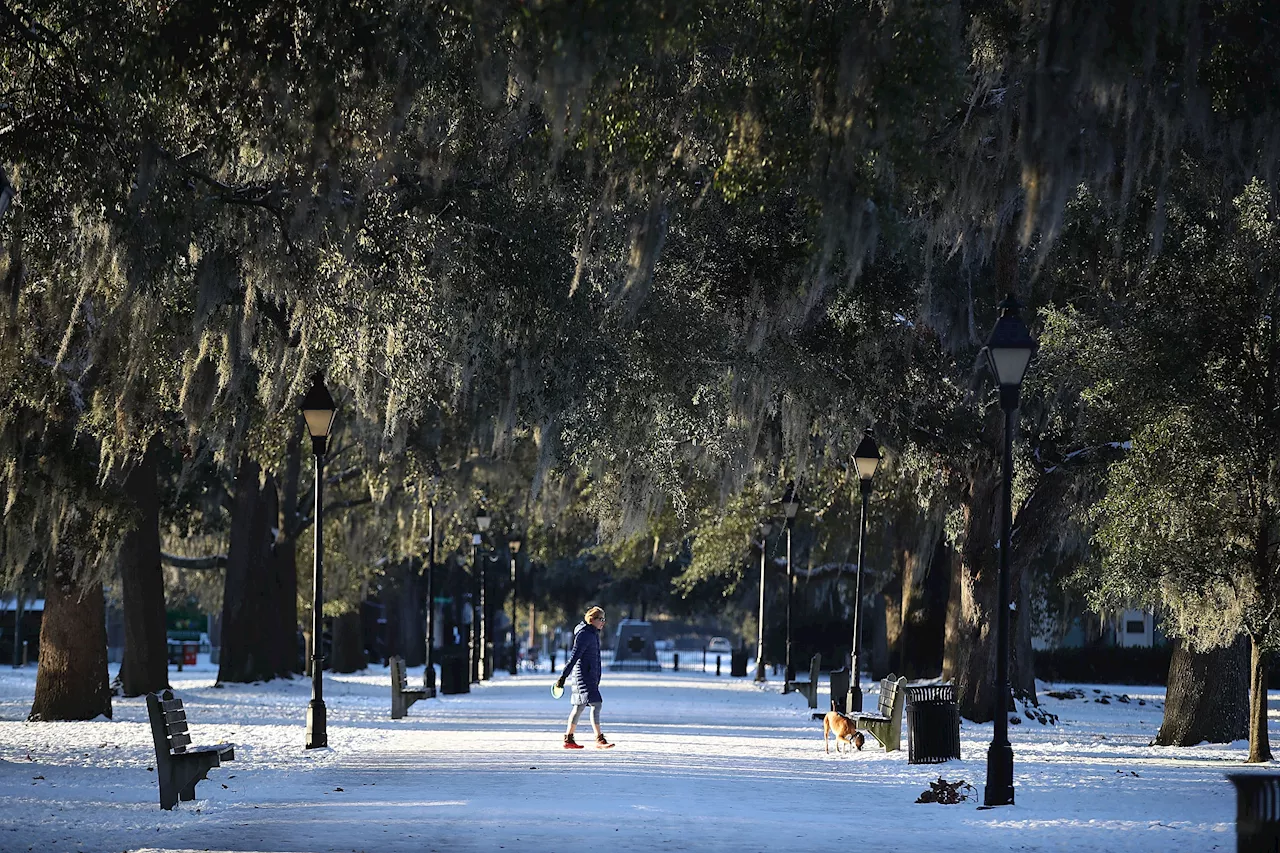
(171, 704)
(179, 740)
(171, 717)
(177, 729)
(888, 692)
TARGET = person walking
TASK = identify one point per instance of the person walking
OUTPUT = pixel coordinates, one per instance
(584, 666)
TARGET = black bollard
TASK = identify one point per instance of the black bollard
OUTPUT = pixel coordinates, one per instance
(717, 666)
(675, 662)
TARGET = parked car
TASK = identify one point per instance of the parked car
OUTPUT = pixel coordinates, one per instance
(664, 645)
(719, 646)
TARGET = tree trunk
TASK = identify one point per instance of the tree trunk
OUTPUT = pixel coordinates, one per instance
(71, 682)
(282, 574)
(970, 658)
(951, 625)
(1207, 697)
(145, 667)
(409, 634)
(1022, 671)
(284, 564)
(347, 652)
(927, 619)
(1259, 740)
(972, 638)
(251, 606)
(972, 645)
(893, 629)
(926, 582)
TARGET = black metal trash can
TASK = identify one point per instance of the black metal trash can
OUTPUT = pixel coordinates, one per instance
(839, 689)
(1257, 812)
(738, 663)
(454, 677)
(933, 724)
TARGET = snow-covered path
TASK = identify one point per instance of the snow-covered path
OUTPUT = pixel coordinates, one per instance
(702, 763)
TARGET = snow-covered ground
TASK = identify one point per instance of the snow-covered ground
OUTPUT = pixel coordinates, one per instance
(702, 763)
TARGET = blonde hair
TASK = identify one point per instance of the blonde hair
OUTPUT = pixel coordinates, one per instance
(593, 613)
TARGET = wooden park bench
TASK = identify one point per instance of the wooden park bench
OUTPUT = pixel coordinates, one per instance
(401, 696)
(179, 764)
(885, 724)
(808, 688)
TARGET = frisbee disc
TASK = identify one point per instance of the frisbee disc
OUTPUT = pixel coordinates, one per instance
(556, 691)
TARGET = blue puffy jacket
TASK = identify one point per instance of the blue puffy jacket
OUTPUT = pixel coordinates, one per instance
(584, 664)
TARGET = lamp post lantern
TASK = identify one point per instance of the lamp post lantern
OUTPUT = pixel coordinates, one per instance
(790, 506)
(1009, 352)
(765, 528)
(513, 546)
(866, 458)
(478, 624)
(318, 409)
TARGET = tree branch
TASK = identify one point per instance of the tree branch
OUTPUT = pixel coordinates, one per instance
(343, 476)
(214, 561)
(304, 521)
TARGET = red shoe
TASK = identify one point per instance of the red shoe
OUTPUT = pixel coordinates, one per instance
(601, 743)
(570, 743)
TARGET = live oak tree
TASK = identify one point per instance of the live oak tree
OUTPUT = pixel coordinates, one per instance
(1187, 521)
(663, 240)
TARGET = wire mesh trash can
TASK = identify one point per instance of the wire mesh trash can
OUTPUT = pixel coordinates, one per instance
(933, 724)
(1257, 812)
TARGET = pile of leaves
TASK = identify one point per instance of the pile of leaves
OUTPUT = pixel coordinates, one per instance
(948, 793)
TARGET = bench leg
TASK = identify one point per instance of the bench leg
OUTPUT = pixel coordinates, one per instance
(168, 790)
(883, 733)
(183, 779)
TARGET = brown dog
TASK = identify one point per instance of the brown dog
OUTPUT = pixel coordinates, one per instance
(843, 728)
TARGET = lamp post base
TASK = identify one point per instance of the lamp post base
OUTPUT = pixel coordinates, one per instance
(760, 676)
(999, 788)
(317, 733)
(853, 702)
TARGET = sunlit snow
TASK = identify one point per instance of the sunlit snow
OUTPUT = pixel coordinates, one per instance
(702, 763)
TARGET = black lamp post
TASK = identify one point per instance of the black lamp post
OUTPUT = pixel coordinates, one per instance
(429, 673)
(866, 458)
(1009, 351)
(790, 506)
(318, 409)
(765, 528)
(513, 547)
(478, 627)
